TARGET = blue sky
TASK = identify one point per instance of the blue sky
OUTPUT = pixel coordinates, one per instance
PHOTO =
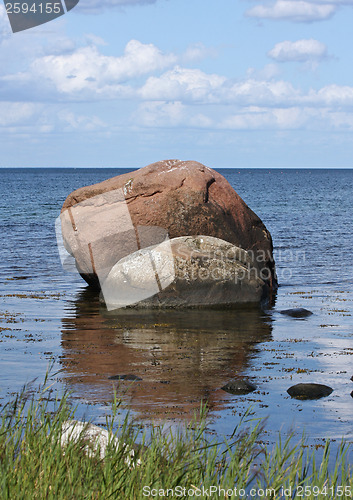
(123, 83)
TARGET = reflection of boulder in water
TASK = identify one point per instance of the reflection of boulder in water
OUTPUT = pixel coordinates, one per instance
(182, 356)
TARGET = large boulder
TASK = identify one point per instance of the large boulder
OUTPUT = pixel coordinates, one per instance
(103, 223)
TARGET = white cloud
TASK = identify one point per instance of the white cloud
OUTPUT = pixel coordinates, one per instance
(247, 105)
(170, 114)
(85, 72)
(163, 93)
(193, 85)
(299, 51)
(86, 69)
(264, 118)
(254, 105)
(181, 83)
(160, 114)
(80, 122)
(14, 113)
(197, 52)
(294, 10)
(341, 120)
(331, 95)
(295, 118)
(270, 93)
(35, 119)
(268, 72)
(176, 114)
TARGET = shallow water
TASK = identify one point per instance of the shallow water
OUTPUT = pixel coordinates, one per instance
(185, 357)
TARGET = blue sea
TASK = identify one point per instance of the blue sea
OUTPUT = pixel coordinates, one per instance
(183, 358)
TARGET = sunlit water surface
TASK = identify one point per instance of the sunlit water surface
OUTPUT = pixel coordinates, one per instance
(185, 357)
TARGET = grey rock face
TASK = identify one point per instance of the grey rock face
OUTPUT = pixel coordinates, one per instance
(188, 271)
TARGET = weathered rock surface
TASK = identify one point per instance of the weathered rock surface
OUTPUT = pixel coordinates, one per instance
(299, 312)
(95, 438)
(105, 222)
(238, 387)
(309, 391)
(189, 271)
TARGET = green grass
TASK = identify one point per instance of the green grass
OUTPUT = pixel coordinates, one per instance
(34, 465)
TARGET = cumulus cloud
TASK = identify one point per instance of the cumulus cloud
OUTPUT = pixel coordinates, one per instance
(269, 93)
(182, 83)
(86, 69)
(161, 114)
(195, 86)
(163, 93)
(294, 10)
(331, 96)
(299, 51)
(245, 105)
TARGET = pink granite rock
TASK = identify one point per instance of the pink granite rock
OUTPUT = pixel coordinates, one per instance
(107, 221)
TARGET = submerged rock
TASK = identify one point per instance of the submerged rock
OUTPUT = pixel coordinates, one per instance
(106, 222)
(189, 271)
(238, 387)
(309, 391)
(298, 312)
(129, 376)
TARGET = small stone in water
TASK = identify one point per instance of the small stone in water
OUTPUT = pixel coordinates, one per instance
(239, 387)
(298, 312)
(309, 391)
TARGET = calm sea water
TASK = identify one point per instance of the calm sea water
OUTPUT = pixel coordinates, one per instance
(183, 358)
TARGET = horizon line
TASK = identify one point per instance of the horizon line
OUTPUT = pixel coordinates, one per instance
(215, 168)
